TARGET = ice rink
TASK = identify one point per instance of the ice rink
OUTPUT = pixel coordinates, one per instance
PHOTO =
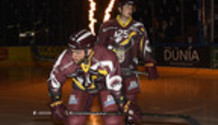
(187, 91)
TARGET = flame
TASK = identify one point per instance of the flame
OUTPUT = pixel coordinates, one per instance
(92, 20)
(108, 10)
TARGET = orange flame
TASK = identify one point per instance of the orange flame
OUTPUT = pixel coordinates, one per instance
(92, 20)
(108, 10)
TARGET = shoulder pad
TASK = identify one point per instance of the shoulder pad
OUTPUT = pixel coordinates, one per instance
(109, 22)
(138, 24)
(109, 25)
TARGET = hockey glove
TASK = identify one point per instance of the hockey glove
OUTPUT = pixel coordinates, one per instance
(127, 108)
(150, 67)
(59, 111)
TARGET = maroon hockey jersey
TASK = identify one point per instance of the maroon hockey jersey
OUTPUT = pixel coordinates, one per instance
(126, 40)
(103, 63)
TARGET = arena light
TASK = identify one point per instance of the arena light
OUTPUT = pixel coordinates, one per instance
(92, 20)
(27, 34)
(22, 35)
(32, 33)
(108, 10)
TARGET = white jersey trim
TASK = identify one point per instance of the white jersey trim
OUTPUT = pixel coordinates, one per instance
(103, 64)
(109, 79)
(138, 24)
(60, 58)
(146, 47)
(54, 82)
(109, 82)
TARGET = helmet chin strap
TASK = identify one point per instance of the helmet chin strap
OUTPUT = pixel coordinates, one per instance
(86, 63)
(86, 58)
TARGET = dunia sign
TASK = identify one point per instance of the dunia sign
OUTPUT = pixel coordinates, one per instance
(183, 56)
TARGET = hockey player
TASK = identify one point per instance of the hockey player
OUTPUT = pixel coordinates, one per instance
(94, 71)
(126, 37)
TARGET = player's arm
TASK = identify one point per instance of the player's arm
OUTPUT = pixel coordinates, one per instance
(55, 83)
(56, 79)
(145, 49)
(146, 55)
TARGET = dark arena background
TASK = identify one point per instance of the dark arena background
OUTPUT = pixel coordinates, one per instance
(184, 40)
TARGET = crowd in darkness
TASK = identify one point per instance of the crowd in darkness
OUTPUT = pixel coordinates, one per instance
(167, 21)
(24, 21)
(163, 20)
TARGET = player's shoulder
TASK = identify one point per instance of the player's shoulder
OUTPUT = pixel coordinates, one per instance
(137, 23)
(64, 57)
(103, 52)
(100, 49)
(109, 23)
(65, 53)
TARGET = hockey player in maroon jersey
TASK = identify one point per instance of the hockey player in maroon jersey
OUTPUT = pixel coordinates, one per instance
(126, 37)
(94, 71)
